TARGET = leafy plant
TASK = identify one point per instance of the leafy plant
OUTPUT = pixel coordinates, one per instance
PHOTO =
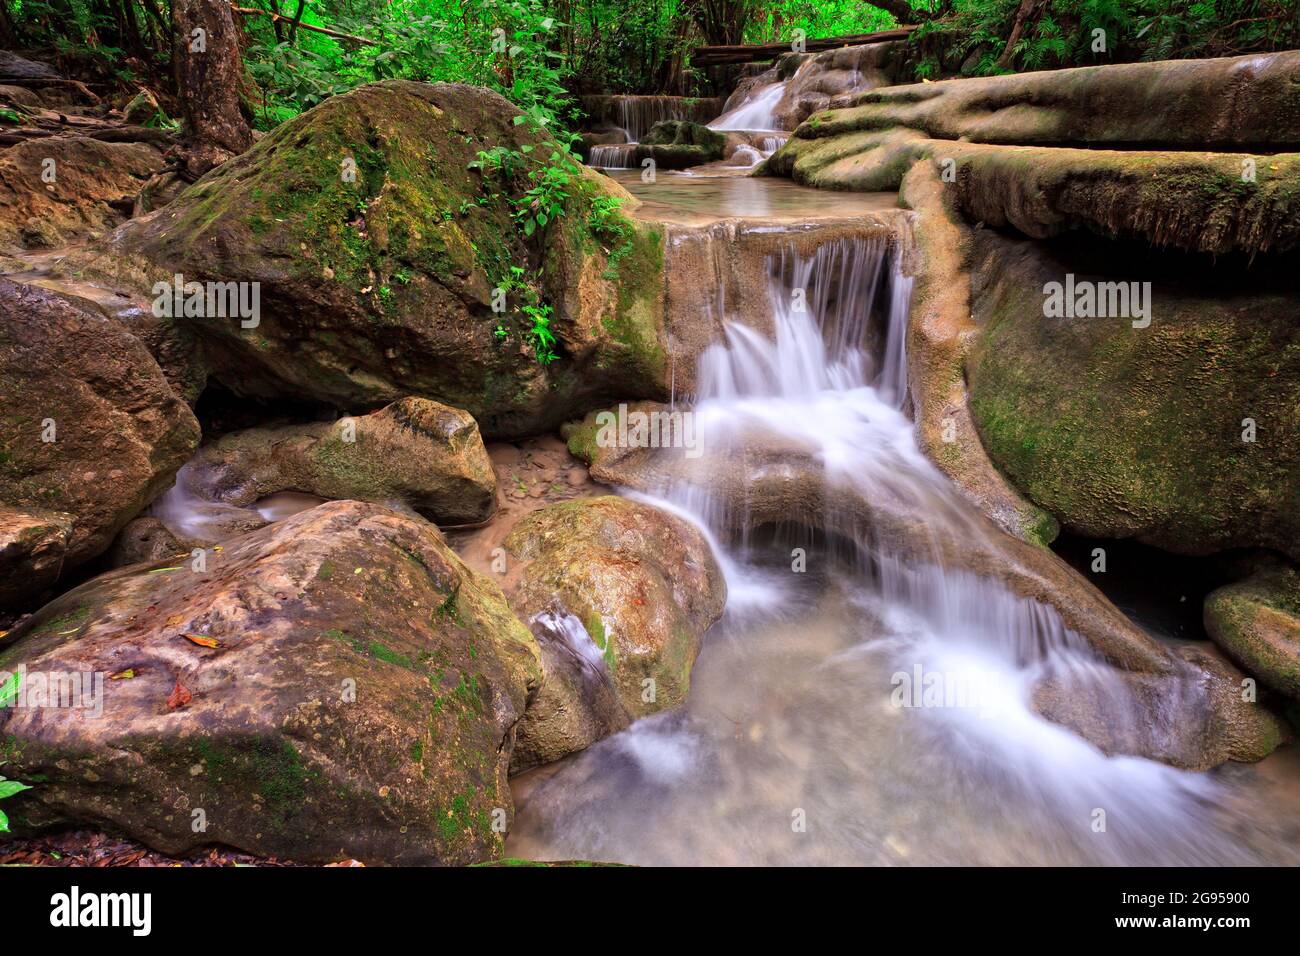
(609, 225)
(8, 788)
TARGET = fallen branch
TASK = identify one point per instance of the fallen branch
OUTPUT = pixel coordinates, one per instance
(249, 11)
(741, 53)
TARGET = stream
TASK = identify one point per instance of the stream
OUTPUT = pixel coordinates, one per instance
(810, 735)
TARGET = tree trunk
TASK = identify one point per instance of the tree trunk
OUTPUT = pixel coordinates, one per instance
(209, 74)
(1027, 9)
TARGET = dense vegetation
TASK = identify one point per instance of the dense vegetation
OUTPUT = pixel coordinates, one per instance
(540, 52)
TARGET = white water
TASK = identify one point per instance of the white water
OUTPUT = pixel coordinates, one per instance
(192, 517)
(798, 744)
(617, 156)
(757, 112)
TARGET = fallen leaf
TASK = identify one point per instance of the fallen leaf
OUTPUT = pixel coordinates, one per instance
(180, 696)
(123, 675)
(203, 640)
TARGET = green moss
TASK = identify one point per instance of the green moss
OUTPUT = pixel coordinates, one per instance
(274, 771)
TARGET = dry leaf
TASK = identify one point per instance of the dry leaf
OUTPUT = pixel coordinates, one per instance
(123, 675)
(203, 640)
(180, 696)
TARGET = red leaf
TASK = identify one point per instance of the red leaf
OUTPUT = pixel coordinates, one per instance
(180, 696)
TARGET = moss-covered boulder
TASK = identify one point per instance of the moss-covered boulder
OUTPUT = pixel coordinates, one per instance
(679, 144)
(1179, 428)
(1257, 623)
(385, 230)
(426, 455)
(338, 685)
(632, 589)
(89, 425)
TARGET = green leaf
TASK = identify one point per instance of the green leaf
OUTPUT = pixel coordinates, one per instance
(10, 787)
(4, 822)
(9, 689)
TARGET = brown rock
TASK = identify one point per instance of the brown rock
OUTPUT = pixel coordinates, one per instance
(354, 695)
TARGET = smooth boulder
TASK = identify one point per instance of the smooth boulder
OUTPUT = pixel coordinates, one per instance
(629, 590)
(337, 685)
(89, 425)
(426, 455)
(1257, 623)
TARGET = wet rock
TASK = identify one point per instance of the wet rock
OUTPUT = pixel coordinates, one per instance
(941, 333)
(1257, 623)
(144, 539)
(93, 189)
(577, 703)
(90, 425)
(376, 265)
(1194, 201)
(335, 686)
(626, 592)
(417, 451)
(1195, 717)
(1175, 426)
(32, 549)
(678, 144)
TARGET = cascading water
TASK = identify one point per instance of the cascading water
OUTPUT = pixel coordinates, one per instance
(758, 112)
(617, 156)
(875, 709)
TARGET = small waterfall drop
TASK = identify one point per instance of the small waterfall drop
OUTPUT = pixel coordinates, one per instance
(885, 696)
(758, 112)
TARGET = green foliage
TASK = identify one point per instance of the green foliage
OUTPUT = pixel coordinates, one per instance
(8, 788)
(613, 229)
(972, 39)
(777, 21)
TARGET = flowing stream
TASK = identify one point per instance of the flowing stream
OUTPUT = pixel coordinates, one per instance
(867, 708)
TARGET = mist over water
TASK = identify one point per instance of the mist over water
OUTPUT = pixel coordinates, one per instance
(872, 709)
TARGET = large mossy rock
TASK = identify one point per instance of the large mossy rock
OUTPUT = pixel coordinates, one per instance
(426, 455)
(680, 144)
(378, 234)
(1183, 434)
(638, 588)
(336, 685)
(89, 425)
(1257, 623)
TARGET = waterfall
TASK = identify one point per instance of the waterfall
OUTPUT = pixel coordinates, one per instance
(889, 698)
(757, 112)
(618, 156)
